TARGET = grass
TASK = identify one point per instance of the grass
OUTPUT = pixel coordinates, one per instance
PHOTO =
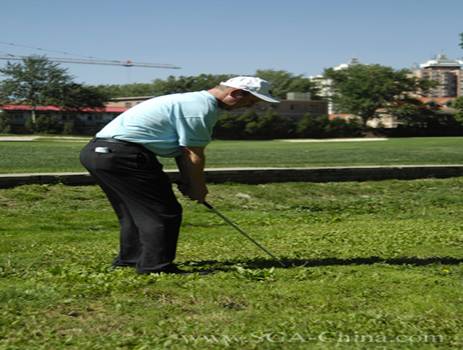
(52, 155)
(374, 265)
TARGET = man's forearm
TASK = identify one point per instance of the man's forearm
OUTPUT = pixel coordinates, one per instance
(191, 165)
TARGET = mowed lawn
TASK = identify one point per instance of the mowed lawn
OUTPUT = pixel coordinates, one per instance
(54, 155)
(373, 265)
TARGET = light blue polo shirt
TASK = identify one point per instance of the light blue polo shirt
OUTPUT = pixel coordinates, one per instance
(164, 124)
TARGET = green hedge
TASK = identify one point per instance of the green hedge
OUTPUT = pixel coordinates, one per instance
(270, 125)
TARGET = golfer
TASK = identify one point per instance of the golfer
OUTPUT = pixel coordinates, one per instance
(123, 160)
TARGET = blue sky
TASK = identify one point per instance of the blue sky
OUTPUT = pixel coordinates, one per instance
(235, 37)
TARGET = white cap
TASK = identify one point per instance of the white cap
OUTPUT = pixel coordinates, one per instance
(256, 86)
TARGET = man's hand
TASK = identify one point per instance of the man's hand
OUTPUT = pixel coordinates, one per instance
(192, 192)
(183, 188)
(197, 193)
(191, 166)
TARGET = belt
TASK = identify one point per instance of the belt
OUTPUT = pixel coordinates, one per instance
(113, 140)
(110, 140)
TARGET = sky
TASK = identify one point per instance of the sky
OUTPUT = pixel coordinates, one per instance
(238, 37)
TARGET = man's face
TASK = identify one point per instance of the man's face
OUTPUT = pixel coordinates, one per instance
(240, 99)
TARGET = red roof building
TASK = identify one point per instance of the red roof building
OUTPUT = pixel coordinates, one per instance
(85, 120)
(59, 109)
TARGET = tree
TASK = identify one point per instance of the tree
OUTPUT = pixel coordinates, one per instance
(124, 90)
(362, 90)
(47, 124)
(312, 126)
(228, 127)
(76, 96)
(458, 105)
(339, 127)
(321, 126)
(461, 40)
(33, 81)
(413, 113)
(187, 83)
(284, 82)
(270, 125)
(5, 126)
(38, 81)
(167, 86)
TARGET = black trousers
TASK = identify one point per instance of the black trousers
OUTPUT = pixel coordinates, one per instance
(142, 197)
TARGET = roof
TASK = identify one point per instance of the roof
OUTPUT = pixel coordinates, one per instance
(440, 100)
(340, 115)
(131, 98)
(60, 109)
(443, 62)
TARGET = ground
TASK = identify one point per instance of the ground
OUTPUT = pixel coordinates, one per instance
(373, 265)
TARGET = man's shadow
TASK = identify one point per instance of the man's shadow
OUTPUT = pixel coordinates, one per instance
(260, 263)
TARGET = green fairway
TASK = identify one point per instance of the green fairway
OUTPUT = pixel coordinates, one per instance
(48, 155)
(375, 265)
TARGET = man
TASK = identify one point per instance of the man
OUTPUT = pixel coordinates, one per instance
(122, 159)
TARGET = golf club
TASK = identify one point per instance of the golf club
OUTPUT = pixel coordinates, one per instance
(231, 223)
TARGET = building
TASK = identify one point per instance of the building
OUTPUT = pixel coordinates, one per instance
(446, 72)
(84, 121)
(126, 102)
(299, 104)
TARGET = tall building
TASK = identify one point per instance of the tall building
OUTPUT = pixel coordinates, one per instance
(446, 72)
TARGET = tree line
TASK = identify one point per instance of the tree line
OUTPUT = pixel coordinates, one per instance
(282, 83)
(251, 125)
(366, 91)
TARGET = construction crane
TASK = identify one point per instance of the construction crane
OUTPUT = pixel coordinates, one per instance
(127, 63)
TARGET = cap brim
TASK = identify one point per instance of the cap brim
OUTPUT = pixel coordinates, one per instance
(264, 97)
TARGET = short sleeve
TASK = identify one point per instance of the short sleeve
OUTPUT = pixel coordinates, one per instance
(193, 131)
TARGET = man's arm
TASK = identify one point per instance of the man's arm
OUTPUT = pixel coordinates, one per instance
(191, 165)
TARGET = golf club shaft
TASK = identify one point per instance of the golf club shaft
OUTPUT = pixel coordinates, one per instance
(236, 227)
